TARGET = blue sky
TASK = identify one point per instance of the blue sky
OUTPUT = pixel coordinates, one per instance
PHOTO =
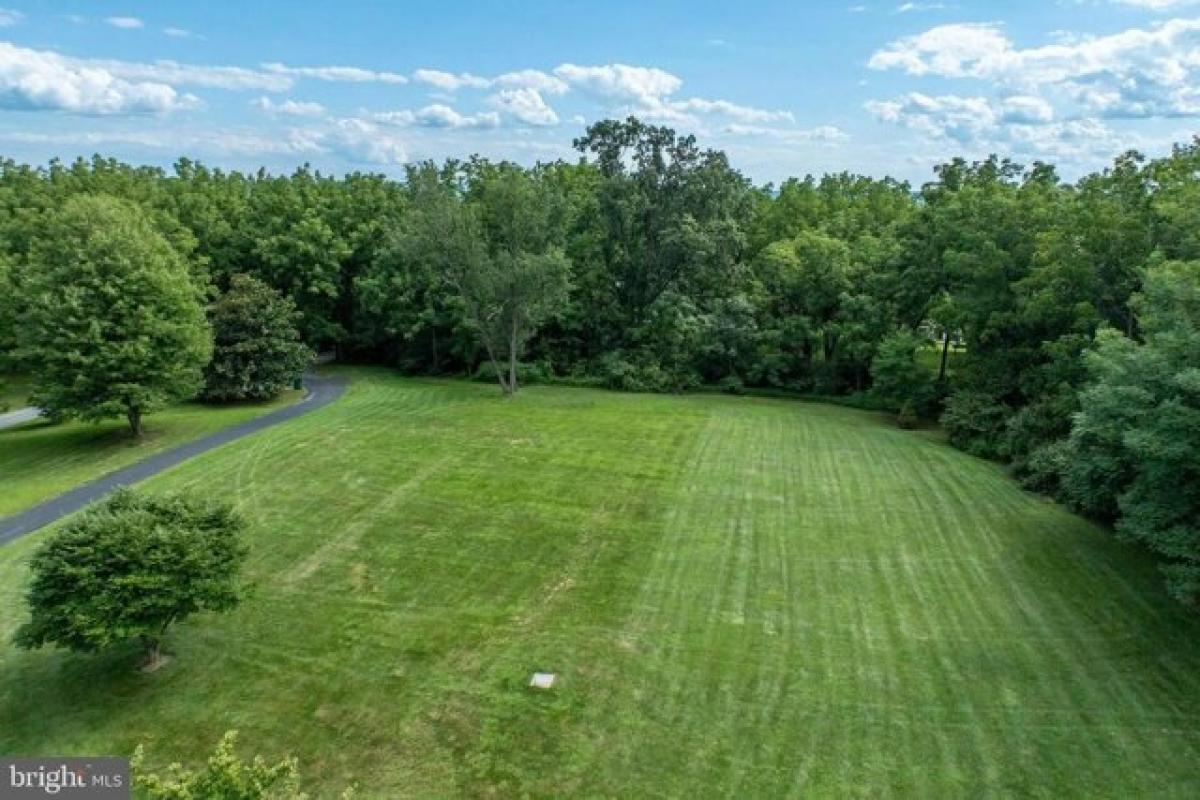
(787, 88)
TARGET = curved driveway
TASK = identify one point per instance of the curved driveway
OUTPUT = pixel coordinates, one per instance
(321, 392)
(12, 418)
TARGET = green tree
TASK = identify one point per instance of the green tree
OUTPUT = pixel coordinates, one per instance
(1134, 450)
(295, 248)
(522, 278)
(499, 249)
(898, 379)
(111, 321)
(256, 347)
(667, 216)
(405, 305)
(129, 568)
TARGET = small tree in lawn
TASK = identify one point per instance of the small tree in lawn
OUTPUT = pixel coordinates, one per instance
(129, 568)
(899, 380)
(256, 345)
(111, 321)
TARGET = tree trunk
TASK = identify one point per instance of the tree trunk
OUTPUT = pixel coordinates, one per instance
(154, 654)
(496, 366)
(134, 415)
(433, 330)
(945, 353)
(512, 359)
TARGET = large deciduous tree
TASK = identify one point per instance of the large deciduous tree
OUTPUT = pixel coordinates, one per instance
(111, 321)
(405, 305)
(498, 249)
(126, 570)
(1134, 449)
(522, 276)
(257, 350)
(669, 217)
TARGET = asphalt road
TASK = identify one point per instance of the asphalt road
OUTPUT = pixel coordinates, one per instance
(321, 392)
(17, 417)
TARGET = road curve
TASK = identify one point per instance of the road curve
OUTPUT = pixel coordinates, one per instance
(11, 418)
(321, 392)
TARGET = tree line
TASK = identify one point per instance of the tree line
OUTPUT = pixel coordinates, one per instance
(1052, 325)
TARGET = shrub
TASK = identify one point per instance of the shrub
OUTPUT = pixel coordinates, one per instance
(899, 380)
(225, 775)
(975, 423)
(127, 569)
(732, 384)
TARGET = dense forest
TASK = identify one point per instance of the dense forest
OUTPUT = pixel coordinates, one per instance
(1053, 326)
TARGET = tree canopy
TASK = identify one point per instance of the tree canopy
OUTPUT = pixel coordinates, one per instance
(129, 568)
(257, 350)
(108, 313)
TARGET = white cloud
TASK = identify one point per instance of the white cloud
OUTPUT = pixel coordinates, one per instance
(526, 105)
(532, 79)
(179, 33)
(9, 17)
(1026, 109)
(1134, 73)
(127, 23)
(1071, 140)
(172, 72)
(542, 82)
(223, 142)
(438, 116)
(647, 92)
(643, 86)
(907, 8)
(732, 110)
(364, 142)
(43, 80)
(1157, 5)
(954, 51)
(824, 133)
(1022, 124)
(963, 119)
(356, 140)
(336, 74)
(288, 108)
(449, 81)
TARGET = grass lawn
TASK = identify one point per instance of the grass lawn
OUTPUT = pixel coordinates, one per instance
(742, 597)
(39, 460)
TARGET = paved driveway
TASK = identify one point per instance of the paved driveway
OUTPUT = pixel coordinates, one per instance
(19, 416)
(321, 392)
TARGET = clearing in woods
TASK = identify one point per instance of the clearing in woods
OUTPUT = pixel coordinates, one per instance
(739, 597)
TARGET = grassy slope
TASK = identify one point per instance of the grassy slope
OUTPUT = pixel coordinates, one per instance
(39, 460)
(743, 597)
